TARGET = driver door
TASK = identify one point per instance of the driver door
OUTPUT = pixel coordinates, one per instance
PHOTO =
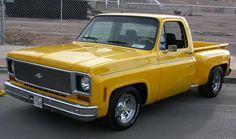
(177, 64)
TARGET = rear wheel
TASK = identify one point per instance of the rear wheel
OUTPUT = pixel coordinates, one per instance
(213, 86)
(123, 109)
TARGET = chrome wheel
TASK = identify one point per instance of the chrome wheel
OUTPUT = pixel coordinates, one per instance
(125, 108)
(213, 86)
(216, 82)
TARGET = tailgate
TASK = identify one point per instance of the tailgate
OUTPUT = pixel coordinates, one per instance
(199, 46)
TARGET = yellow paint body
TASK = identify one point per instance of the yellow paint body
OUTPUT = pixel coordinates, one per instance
(164, 73)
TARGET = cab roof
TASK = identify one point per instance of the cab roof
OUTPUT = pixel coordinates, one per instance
(158, 16)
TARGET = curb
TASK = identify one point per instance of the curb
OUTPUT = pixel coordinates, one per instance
(230, 80)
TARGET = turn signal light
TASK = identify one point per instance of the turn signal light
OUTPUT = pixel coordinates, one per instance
(84, 98)
(12, 78)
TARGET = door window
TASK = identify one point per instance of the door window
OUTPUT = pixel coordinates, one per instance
(173, 34)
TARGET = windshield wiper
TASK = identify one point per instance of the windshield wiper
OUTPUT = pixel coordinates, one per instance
(90, 38)
(118, 42)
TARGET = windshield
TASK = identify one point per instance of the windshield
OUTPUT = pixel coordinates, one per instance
(134, 32)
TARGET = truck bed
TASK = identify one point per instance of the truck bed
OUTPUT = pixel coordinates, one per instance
(200, 46)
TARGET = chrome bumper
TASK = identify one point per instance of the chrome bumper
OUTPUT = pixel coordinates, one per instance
(82, 113)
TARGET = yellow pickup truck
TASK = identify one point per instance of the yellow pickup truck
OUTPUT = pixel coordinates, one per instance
(118, 63)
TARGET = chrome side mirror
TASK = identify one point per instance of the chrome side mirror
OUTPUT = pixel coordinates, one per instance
(172, 48)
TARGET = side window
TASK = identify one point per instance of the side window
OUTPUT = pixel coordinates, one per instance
(175, 34)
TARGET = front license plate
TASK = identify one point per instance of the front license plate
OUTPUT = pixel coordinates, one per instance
(38, 101)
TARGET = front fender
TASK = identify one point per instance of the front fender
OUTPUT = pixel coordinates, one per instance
(107, 84)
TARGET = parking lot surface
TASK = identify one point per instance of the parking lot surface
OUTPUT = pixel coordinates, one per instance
(184, 116)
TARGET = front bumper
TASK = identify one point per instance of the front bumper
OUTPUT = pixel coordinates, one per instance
(82, 113)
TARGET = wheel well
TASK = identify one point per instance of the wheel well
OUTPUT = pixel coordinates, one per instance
(224, 67)
(142, 89)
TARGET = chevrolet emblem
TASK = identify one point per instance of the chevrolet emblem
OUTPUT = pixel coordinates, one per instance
(38, 75)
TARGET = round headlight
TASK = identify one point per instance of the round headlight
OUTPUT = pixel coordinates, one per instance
(12, 67)
(85, 83)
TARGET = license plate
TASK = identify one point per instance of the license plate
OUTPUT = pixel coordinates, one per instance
(38, 101)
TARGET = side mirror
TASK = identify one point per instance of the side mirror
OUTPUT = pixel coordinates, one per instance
(172, 48)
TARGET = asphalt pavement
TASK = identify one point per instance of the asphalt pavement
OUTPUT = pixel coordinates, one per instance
(185, 116)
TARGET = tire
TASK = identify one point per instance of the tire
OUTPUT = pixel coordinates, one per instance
(214, 84)
(117, 108)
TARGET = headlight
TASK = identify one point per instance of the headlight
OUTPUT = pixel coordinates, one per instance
(82, 84)
(85, 83)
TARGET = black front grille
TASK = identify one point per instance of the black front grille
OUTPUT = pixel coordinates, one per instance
(44, 77)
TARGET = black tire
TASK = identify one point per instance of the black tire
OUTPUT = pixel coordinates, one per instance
(112, 120)
(209, 90)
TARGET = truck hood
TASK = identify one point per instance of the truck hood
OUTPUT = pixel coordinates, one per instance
(84, 57)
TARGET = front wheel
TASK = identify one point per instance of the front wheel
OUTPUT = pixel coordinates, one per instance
(214, 83)
(123, 109)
